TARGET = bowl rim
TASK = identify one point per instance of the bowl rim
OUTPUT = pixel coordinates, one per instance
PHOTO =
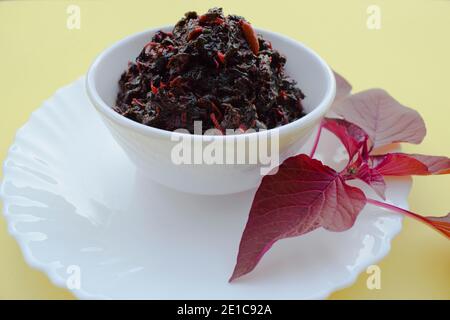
(102, 107)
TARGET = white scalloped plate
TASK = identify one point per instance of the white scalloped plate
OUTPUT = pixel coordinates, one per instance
(72, 198)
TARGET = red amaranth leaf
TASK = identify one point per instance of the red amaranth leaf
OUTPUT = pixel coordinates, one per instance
(351, 136)
(302, 196)
(402, 164)
(360, 169)
(435, 164)
(373, 178)
(343, 87)
(440, 224)
(383, 118)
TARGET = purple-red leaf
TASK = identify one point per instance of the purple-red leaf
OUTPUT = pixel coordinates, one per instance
(351, 136)
(373, 178)
(360, 169)
(435, 164)
(383, 118)
(343, 87)
(402, 164)
(303, 195)
(442, 224)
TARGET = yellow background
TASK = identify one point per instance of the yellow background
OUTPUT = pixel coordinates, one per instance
(409, 56)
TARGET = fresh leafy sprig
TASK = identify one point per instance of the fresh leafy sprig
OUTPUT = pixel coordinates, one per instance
(305, 194)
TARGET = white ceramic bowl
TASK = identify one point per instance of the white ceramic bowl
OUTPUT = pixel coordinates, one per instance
(151, 148)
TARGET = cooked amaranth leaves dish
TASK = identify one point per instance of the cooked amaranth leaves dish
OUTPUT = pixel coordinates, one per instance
(213, 69)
